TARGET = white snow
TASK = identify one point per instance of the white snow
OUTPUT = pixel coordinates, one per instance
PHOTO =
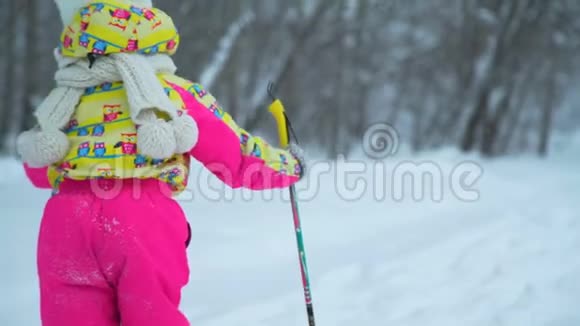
(510, 258)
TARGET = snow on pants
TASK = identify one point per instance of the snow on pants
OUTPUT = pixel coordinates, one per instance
(112, 253)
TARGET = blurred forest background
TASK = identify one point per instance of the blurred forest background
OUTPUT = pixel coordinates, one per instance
(492, 76)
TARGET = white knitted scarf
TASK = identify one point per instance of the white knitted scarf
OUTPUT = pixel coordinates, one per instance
(156, 138)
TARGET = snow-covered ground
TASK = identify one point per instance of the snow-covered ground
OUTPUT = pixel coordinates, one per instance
(510, 258)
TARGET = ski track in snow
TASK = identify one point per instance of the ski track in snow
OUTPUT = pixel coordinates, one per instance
(509, 259)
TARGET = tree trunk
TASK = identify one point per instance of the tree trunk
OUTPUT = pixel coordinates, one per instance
(8, 94)
(512, 122)
(30, 65)
(476, 120)
(492, 126)
(547, 117)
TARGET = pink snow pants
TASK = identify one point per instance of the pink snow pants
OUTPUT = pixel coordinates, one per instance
(112, 253)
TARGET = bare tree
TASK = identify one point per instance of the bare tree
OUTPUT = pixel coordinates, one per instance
(9, 70)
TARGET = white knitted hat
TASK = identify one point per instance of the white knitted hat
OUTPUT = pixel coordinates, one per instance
(68, 8)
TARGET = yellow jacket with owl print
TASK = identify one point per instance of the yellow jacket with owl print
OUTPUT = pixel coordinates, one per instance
(103, 137)
(103, 140)
(104, 144)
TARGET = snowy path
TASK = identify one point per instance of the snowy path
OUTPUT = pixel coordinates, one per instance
(510, 258)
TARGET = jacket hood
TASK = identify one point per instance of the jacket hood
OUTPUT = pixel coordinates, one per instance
(112, 26)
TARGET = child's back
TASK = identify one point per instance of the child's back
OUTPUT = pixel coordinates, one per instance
(114, 144)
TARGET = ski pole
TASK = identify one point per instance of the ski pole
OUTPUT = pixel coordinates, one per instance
(284, 129)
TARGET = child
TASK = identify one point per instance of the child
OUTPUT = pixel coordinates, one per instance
(113, 142)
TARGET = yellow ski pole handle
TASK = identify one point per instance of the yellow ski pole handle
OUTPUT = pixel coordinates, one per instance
(277, 110)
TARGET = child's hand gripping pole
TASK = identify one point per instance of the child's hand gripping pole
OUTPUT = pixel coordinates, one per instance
(284, 128)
